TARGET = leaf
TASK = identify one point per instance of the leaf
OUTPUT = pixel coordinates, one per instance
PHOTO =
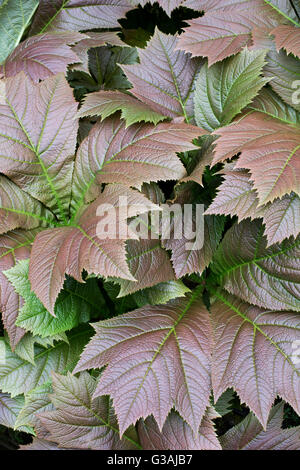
(74, 305)
(78, 15)
(19, 209)
(36, 402)
(141, 153)
(106, 103)
(38, 138)
(42, 56)
(78, 246)
(167, 5)
(284, 70)
(9, 410)
(148, 263)
(287, 37)
(250, 435)
(105, 66)
(267, 277)
(40, 444)
(161, 293)
(269, 148)
(177, 435)
(236, 196)
(223, 406)
(157, 357)
(225, 88)
(252, 353)
(164, 78)
(91, 41)
(15, 16)
(82, 422)
(18, 376)
(224, 31)
(268, 102)
(188, 260)
(14, 246)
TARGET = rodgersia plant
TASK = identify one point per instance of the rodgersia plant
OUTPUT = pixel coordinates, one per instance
(127, 342)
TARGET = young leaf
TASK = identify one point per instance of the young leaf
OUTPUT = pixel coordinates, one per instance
(267, 277)
(42, 56)
(287, 37)
(78, 15)
(164, 78)
(38, 138)
(250, 435)
(252, 353)
(157, 357)
(82, 422)
(177, 435)
(14, 246)
(18, 376)
(269, 148)
(15, 16)
(224, 89)
(106, 103)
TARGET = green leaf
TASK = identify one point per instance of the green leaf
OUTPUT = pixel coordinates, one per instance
(36, 401)
(261, 275)
(18, 376)
(106, 103)
(74, 305)
(161, 293)
(225, 88)
(9, 410)
(15, 15)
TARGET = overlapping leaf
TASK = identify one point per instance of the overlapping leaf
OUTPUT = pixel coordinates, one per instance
(287, 37)
(267, 277)
(226, 29)
(15, 16)
(18, 376)
(250, 435)
(269, 148)
(42, 56)
(164, 78)
(74, 247)
(14, 246)
(284, 71)
(236, 196)
(78, 15)
(75, 304)
(81, 421)
(252, 353)
(106, 103)
(224, 89)
(177, 435)
(38, 138)
(157, 357)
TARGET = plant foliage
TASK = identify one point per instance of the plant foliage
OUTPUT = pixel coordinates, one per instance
(127, 342)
